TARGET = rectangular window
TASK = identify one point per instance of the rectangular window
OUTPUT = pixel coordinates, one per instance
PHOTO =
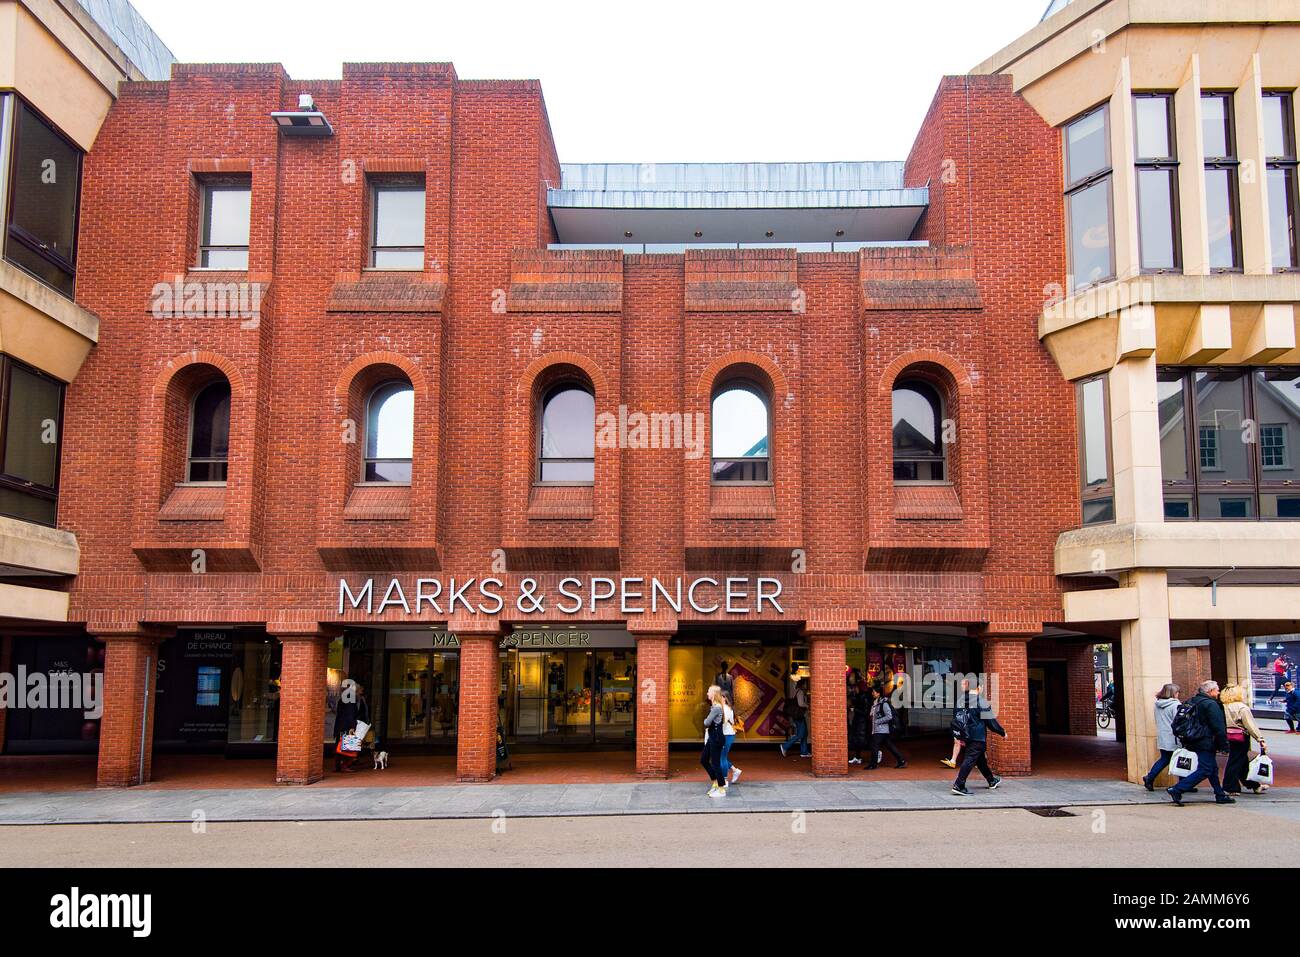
(397, 224)
(44, 188)
(1098, 491)
(1221, 198)
(224, 223)
(1242, 442)
(31, 413)
(1157, 181)
(1088, 198)
(1280, 157)
(1272, 446)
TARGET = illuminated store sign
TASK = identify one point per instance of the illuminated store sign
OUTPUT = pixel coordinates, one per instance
(631, 596)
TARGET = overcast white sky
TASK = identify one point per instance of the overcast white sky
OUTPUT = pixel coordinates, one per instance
(645, 82)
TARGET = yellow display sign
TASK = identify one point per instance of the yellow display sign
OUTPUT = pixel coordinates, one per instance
(758, 679)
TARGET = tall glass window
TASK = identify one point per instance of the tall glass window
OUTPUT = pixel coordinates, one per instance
(44, 188)
(567, 447)
(390, 433)
(741, 440)
(1221, 197)
(1157, 181)
(919, 450)
(1179, 488)
(397, 225)
(29, 452)
(1097, 486)
(1276, 396)
(1088, 198)
(1280, 153)
(210, 434)
(224, 223)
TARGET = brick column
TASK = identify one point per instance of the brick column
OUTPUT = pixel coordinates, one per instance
(6, 667)
(300, 739)
(1006, 656)
(829, 721)
(652, 638)
(126, 726)
(480, 677)
(1081, 689)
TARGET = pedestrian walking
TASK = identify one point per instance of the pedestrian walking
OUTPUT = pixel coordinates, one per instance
(1279, 677)
(882, 729)
(730, 725)
(971, 726)
(1292, 706)
(796, 709)
(1241, 729)
(1200, 727)
(1166, 708)
(711, 756)
(859, 723)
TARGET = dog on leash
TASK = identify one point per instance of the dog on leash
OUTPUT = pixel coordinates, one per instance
(381, 759)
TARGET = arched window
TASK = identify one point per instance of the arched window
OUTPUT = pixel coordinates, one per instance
(210, 434)
(741, 421)
(390, 433)
(567, 449)
(919, 451)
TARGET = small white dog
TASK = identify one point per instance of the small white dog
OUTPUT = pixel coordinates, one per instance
(381, 760)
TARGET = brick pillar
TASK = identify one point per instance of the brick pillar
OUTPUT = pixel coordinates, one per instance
(300, 739)
(1081, 689)
(480, 676)
(6, 667)
(829, 721)
(126, 726)
(1006, 657)
(652, 678)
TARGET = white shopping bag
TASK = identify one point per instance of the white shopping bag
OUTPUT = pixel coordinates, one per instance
(1183, 763)
(1261, 770)
(362, 728)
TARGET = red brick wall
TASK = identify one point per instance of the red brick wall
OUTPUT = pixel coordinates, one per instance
(1191, 666)
(1007, 658)
(477, 729)
(299, 752)
(486, 153)
(130, 672)
(828, 725)
(652, 705)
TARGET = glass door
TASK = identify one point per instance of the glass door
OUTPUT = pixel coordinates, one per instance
(423, 697)
(615, 694)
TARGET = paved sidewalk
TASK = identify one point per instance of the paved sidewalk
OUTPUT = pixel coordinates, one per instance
(139, 806)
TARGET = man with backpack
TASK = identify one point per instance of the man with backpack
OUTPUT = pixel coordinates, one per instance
(1200, 726)
(970, 725)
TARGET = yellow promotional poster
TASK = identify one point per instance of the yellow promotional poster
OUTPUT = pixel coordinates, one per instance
(758, 678)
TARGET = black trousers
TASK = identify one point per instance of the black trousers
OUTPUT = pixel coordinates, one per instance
(881, 742)
(1234, 772)
(711, 757)
(973, 756)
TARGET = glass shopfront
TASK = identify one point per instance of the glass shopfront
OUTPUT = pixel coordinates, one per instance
(422, 698)
(569, 687)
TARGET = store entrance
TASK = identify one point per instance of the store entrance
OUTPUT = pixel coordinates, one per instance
(572, 697)
(422, 699)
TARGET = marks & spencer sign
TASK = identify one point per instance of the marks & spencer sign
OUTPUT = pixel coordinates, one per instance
(573, 596)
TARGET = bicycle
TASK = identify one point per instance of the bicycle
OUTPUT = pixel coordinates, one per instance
(1105, 714)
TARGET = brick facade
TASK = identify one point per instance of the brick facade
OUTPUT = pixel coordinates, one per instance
(484, 326)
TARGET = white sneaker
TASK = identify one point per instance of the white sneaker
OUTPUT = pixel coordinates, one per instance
(735, 774)
(855, 760)
(717, 792)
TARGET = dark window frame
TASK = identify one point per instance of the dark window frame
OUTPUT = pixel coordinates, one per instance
(14, 232)
(207, 185)
(394, 184)
(748, 385)
(1258, 485)
(1105, 174)
(12, 482)
(1287, 164)
(1166, 163)
(939, 403)
(190, 459)
(1231, 163)
(540, 459)
(367, 460)
(1106, 490)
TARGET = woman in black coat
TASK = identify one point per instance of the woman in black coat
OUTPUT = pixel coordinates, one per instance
(859, 724)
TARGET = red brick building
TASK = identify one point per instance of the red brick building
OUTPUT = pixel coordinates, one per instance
(363, 403)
